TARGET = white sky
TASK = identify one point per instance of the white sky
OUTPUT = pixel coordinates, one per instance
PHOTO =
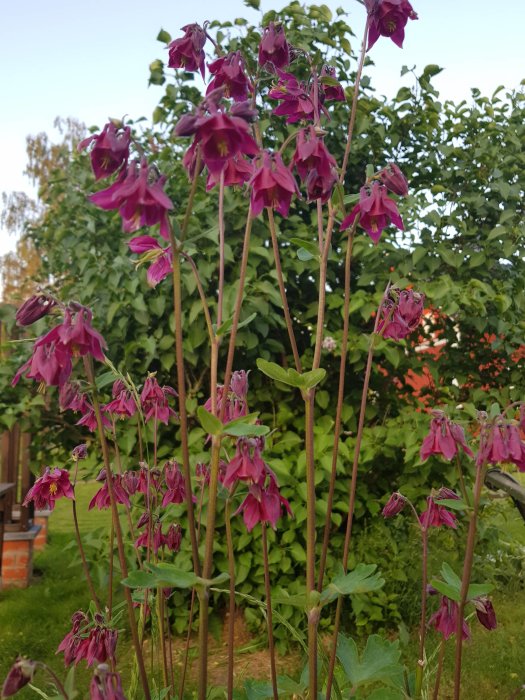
(90, 60)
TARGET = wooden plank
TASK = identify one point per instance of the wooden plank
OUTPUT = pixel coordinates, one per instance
(26, 512)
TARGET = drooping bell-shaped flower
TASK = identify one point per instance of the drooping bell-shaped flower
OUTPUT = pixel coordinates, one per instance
(436, 515)
(229, 72)
(139, 196)
(101, 498)
(159, 258)
(388, 18)
(295, 98)
(445, 438)
(376, 210)
(263, 504)
(48, 488)
(110, 150)
(187, 52)
(154, 400)
(247, 464)
(106, 685)
(176, 490)
(444, 620)
(274, 51)
(273, 185)
(314, 164)
(123, 404)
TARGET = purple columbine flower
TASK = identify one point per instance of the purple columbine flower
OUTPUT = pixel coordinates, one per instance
(229, 73)
(296, 100)
(376, 211)
(154, 400)
(444, 620)
(48, 488)
(152, 252)
(176, 491)
(263, 504)
(445, 438)
(436, 515)
(105, 685)
(274, 51)
(111, 149)
(388, 18)
(102, 500)
(502, 444)
(174, 538)
(273, 186)
(247, 464)
(314, 165)
(36, 307)
(79, 452)
(401, 313)
(139, 196)
(187, 52)
(332, 90)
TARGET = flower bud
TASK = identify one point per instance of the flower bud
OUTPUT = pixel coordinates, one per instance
(20, 674)
(34, 308)
(394, 505)
(394, 180)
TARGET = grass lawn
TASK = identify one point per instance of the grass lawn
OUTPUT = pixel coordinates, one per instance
(34, 621)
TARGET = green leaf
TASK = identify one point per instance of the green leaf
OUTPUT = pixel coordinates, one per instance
(254, 4)
(246, 430)
(361, 580)
(274, 371)
(452, 503)
(446, 589)
(312, 378)
(478, 589)
(169, 575)
(378, 663)
(309, 246)
(139, 579)
(226, 326)
(304, 255)
(209, 422)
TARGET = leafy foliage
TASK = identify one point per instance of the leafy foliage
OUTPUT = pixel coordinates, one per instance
(463, 247)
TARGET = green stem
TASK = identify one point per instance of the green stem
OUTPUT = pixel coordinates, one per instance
(231, 571)
(339, 409)
(85, 566)
(467, 571)
(282, 289)
(353, 111)
(312, 611)
(269, 620)
(351, 499)
(439, 672)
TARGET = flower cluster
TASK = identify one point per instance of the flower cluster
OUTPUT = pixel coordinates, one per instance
(51, 362)
(445, 438)
(92, 641)
(187, 52)
(435, 515)
(501, 442)
(445, 619)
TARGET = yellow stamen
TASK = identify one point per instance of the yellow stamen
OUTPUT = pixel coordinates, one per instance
(53, 488)
(223, 149)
